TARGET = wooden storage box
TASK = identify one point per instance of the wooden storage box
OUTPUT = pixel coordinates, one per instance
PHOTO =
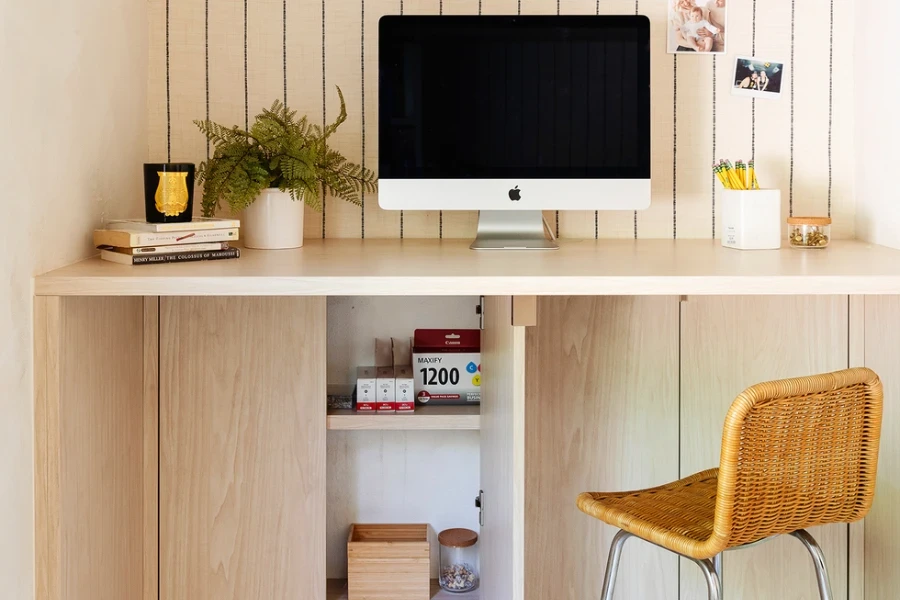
(388, 562)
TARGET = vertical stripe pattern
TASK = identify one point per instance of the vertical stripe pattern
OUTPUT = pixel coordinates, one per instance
(714, 140)
(793, 98)
(246, 73)
(556, 228)
(168, 123)
(206, 51)
(324, 116)
(168, 93)
(362, 63)
(401, 212)
(284, 48)
(753, 100)
(830, 105)
(675, 147)
(636, 12)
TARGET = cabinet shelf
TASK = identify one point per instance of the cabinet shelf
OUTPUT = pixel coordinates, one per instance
(337, 590)
(425, 418)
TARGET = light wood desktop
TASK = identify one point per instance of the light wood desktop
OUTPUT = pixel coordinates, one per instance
(193, 429)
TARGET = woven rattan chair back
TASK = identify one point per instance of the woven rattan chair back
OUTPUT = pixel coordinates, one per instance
(798, 453)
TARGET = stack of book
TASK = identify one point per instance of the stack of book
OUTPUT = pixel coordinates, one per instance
(136, 242)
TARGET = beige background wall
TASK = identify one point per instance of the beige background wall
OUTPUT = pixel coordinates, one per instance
(285, 43)
(73, 114)
(877, 127)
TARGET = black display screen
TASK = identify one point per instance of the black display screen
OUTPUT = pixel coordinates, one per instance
(508, 97)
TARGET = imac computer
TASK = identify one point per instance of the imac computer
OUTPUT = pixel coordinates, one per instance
(511, 115)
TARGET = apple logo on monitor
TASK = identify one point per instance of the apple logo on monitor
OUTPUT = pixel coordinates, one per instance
(515, 194)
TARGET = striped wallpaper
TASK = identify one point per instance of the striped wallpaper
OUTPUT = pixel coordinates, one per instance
(227, 59)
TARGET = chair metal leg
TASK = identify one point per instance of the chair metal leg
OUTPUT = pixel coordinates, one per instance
(720, 571)
(612, 564)
(712, 578)
(818, 558)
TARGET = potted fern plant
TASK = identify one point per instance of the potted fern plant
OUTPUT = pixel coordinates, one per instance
(271, 171)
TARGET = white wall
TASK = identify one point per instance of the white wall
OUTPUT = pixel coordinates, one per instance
(877, 122)
(395, 476)
(73, 137)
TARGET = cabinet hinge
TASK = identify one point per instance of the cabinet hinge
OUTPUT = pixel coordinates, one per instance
(479, 504)
(479, 310)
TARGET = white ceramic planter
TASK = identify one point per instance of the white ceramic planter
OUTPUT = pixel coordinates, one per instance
(751, 219)
(273, 222)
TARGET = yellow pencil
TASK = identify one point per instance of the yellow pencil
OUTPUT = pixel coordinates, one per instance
(720, 174)
(732, 175)
(754, 185)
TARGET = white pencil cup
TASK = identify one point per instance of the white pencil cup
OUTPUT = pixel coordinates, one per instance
(751, 219)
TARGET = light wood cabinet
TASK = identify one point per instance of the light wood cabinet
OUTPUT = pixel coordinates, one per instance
(242, 448)
(601, 414)
(631, 392)
(727, 345)
(88, 453)
(882, 526)
(193, 431)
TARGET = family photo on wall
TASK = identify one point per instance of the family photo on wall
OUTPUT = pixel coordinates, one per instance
(697, 26)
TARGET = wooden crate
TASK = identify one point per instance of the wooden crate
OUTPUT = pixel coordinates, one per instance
(388, 562)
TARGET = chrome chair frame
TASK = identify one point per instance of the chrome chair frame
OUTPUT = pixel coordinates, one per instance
(713, 569)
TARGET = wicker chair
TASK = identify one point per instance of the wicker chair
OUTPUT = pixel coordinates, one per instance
(796, 453)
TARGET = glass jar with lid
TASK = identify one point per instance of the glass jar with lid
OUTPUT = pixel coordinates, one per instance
(459, 560)
(809, 232)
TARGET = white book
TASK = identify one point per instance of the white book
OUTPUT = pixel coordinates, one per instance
(127, 238)
(196, 224)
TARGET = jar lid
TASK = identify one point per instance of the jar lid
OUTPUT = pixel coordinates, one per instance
(809, 220)
(457, 538)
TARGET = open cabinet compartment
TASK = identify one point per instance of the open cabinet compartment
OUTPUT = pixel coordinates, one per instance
(437, 456)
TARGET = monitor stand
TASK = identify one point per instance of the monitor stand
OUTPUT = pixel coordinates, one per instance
(512, 230)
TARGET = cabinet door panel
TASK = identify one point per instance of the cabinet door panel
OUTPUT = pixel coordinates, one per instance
(882, 525)
(502, 452)
(729, 344)
(242, 448)
(601, 415)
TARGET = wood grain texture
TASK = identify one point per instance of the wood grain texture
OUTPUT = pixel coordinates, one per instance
(425, 418)
(503, 453)
(47, 494)
(882, 553)
(388, 562)
(449, 268)
(151, 448)
(524, 311)
(242, 451)
(88, 482)
(856, 573)
(602, 414)
(729, 344)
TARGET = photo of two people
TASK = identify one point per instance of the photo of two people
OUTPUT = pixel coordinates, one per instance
(697, 26)
(757, 78)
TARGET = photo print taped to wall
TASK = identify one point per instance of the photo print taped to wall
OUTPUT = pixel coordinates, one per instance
(757, 77)
(697, 26)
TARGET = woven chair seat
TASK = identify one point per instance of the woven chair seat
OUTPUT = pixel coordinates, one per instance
(796, 453)
(678, 516)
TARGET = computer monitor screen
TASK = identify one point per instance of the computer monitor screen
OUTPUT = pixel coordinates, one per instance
(514, 113)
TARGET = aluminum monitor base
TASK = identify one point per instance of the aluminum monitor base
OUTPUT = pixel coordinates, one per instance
(512, 230)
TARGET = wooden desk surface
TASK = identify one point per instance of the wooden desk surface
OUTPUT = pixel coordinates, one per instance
(448, 267)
